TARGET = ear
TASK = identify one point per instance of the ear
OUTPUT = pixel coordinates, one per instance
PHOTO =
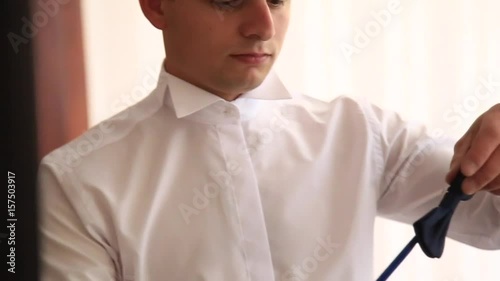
(154, 12)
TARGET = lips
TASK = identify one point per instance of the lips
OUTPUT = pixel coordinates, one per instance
(252, 58)
(253, 54)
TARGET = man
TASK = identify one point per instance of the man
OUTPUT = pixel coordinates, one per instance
(222, 174)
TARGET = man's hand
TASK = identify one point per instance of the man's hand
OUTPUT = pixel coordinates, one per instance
(477, 155)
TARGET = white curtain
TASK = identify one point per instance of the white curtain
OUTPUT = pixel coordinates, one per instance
(429, 60)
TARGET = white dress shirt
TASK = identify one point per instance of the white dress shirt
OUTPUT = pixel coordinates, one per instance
(186, 186)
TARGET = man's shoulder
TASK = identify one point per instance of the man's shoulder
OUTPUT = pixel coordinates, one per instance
(106, 141)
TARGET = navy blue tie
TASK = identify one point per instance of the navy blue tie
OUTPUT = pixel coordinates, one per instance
(431, 229)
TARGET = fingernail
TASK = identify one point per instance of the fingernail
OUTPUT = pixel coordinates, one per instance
(469, 186)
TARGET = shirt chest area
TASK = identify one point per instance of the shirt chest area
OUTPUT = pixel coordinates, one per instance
(257, 206)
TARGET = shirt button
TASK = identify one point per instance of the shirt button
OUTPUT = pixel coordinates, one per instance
(229, 112)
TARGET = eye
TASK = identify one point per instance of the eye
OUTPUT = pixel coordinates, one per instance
(276, 3)
(227, 4)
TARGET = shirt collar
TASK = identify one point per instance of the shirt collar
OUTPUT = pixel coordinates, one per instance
(186, 98)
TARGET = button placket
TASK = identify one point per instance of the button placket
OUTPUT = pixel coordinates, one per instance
(247, 205)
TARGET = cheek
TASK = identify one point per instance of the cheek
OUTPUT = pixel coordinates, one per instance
(202, 34)
(216, 40)
(281, 24)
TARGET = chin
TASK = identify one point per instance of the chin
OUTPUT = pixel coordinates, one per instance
(255, 82)
(244, 82)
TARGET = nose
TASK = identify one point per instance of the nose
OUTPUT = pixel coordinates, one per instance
(258, 21)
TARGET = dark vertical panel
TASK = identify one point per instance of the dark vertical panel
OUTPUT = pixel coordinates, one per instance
(59, 74)
(19, 241)
(45, 106)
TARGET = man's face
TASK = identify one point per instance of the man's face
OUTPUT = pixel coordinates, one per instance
(224, 46)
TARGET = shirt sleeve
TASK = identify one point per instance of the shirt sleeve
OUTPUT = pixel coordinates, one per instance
(68, 250)
(414, 166)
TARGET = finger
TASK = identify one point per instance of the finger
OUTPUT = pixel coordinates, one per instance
(453, 172)
(460, 150)
(496, 192)
(487, 174)
(483, 144)
(493, 186)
